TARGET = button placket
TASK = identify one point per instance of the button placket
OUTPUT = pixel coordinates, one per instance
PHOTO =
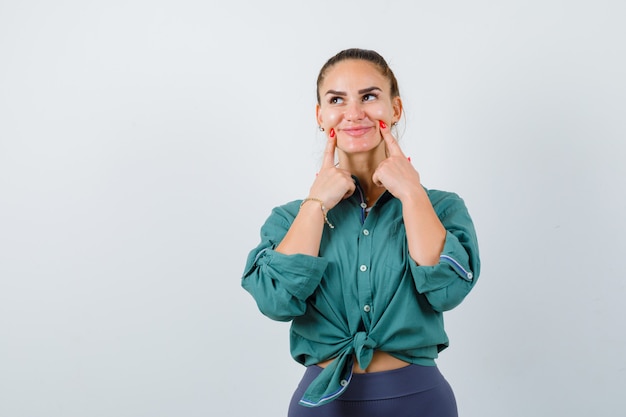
(364, 270)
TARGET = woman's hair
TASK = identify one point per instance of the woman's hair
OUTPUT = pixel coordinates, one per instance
(364, 55)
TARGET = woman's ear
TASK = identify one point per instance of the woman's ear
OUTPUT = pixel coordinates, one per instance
(396, 103)
(318, 115)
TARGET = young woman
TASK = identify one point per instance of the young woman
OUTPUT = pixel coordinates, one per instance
(366, 264)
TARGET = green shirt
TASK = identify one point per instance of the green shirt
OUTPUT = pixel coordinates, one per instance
(363, 292)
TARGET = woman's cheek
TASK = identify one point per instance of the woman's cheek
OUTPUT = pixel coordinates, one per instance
(378, 114)
(332, 119)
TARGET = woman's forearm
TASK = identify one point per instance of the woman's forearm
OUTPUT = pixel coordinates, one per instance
(305, 233)
(425, 233)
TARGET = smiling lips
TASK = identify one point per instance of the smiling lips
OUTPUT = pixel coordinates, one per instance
(357, 130)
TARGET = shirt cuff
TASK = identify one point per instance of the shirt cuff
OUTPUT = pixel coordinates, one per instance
(299, 274)
(453, 264)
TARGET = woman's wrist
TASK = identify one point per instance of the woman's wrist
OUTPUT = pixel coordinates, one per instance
(324, 210)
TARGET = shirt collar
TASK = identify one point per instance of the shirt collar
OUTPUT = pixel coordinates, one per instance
(386, 196)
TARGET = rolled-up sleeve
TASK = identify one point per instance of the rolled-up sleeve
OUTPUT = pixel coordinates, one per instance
(279, 283)
(446, 284)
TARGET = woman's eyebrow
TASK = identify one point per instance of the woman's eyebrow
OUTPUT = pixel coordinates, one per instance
(363, 91)
(369, 90)
(335, 93)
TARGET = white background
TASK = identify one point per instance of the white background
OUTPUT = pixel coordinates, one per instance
(143, 143)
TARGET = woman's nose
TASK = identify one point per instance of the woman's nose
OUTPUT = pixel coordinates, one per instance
(354, 111)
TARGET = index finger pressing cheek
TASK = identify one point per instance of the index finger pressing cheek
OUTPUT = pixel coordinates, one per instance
(392, 144)
(329, 152)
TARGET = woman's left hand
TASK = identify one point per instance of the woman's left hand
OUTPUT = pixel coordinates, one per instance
(396, 173)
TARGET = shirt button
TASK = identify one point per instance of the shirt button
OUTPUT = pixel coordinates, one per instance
(363, 205)
(367, 308)
(470, 275)
(363, 268)
(343, 382)
(366, 232)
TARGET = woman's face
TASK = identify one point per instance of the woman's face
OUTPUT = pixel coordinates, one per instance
(354, 97)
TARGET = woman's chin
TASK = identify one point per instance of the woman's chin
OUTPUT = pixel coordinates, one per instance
(352, 146)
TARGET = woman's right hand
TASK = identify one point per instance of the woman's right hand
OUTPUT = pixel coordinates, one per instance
(332, 184)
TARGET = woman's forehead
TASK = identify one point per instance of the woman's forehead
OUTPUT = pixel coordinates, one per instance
(354, 73)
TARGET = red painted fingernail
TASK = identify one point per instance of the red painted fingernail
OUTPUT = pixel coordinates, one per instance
(383, 125)
(409, 158)
(332, 132)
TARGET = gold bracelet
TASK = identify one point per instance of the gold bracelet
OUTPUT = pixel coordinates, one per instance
(322, 207)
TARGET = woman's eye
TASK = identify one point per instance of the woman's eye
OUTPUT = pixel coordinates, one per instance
(369, 97)
(336, 100)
